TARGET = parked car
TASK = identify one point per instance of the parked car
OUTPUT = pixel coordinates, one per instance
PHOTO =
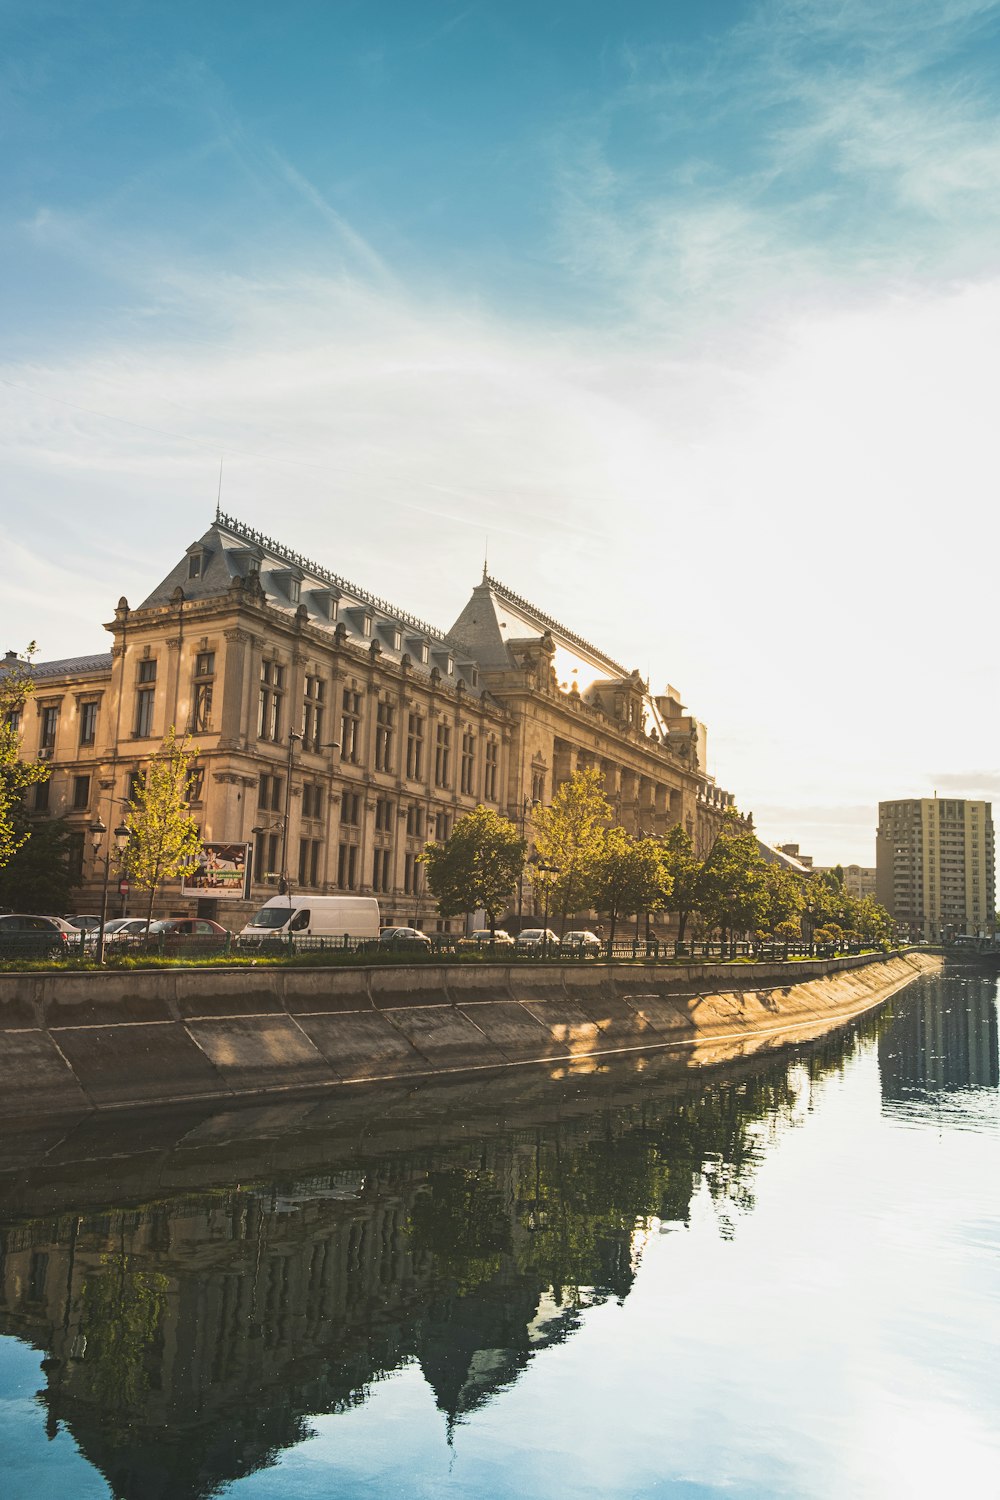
(487, 939)
(84, 924)
(24, 935)
(404, 937)
(581, 941)
(541, 938)
(125, 929)
(187, 933)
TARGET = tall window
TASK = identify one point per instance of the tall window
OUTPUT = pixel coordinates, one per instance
(81, 792)
(272, 691)
(310, 853)
(144, 702)
(415, 822)
(384, 737)
(88, 723)
(204, 674)
(265, 858)
(312, 713)
(312, 799)
(136, 782)
(50, 723)
(195, 783)
(415, 747)
(13, 720)
(347, 867)
(350, 808)
(442, 827)
(42, 795)
(384, 812)
(411, 874)
(442, 755)
(350, 727)
(538, 786)
(490, 778)
(269, 790)
(382, 870)
(468, 774)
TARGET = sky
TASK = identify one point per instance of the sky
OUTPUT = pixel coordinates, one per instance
(687, 316)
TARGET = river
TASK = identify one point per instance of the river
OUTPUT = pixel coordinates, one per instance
(780, 1279)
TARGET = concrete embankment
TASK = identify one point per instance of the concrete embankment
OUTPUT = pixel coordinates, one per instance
(75, 1043)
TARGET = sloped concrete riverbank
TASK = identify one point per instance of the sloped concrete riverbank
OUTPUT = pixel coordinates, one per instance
(75, 1043)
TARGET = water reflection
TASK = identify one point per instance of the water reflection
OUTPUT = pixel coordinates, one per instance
(190, 1337)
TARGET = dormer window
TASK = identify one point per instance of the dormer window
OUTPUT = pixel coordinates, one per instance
(397, 638)
(366, 625)
(425, 652)
(449, 664)
(294, 590)
(194, 565)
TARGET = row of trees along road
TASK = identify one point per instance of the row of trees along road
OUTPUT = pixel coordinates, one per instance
(34, 852)
(583, 862)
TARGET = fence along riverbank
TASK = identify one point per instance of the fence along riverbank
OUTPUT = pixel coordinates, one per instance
(72, 1043)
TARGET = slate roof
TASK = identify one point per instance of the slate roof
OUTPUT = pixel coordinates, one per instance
(71, 666)
(229, 548)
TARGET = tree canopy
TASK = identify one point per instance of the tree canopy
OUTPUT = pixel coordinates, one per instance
(630, 876)
(478, 867)
(16, 775)
(569, 838)
(163, 836)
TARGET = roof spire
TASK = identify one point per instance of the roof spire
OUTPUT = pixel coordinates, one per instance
(486, 559)
(218, 500)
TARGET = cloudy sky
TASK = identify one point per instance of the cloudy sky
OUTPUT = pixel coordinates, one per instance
(689, 313)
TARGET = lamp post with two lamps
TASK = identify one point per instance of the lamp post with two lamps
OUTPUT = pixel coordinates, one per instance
(121, 837)
(545, 868)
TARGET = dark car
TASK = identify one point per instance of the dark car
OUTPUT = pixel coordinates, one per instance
(404, 937)
(186, 934)
(23, 935)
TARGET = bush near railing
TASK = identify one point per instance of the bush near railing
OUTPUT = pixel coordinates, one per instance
(139, 950)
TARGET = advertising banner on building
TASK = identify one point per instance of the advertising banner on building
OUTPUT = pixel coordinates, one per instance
(222, 873)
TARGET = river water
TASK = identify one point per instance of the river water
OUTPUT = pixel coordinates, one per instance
(780, 1279)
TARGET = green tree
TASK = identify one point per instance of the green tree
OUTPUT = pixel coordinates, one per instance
(478, 867)
(732, 891)
(16, 775)
(163, 836)
(783, 898)
(36, 878)
(569, 835)
(630, 875)
(684, 868)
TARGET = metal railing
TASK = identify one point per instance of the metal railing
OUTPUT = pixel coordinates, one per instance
(22, 947)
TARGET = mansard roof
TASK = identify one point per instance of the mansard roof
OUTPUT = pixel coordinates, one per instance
(290, 581)
(495, 616)
(66, 666)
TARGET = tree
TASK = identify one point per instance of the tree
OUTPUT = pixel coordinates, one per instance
(569, 836)
(732, 893)
(36, 878)
(782, 901)
(163, 836)
(16, 687)
(630, 875)
(684, 868)
(479, 866)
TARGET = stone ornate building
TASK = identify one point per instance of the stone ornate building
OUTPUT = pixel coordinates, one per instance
(337, 733)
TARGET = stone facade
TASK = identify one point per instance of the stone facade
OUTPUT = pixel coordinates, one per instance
(337, 734)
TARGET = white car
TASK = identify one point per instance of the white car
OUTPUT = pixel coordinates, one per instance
(125, 929)
(588, 942)
(537, 938)
(487, 939)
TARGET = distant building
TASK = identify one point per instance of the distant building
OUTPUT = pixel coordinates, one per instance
(787, 856)
(859, 880)
(935, 868)
(793, 852)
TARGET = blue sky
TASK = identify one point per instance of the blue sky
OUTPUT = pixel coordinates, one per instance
(689, 313)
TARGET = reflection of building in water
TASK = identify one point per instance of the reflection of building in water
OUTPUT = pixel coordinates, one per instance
(943, 1038)
(187, 1342)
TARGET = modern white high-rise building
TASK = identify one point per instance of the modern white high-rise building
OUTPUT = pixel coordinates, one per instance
(934, 859)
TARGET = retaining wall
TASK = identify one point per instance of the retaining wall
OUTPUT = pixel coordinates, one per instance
(74, 1043)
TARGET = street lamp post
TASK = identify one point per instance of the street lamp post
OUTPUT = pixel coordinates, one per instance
(97, 833)
(546, 869)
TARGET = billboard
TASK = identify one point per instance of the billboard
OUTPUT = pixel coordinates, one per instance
(221, 872)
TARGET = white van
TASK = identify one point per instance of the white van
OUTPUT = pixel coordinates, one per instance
(313, 917)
